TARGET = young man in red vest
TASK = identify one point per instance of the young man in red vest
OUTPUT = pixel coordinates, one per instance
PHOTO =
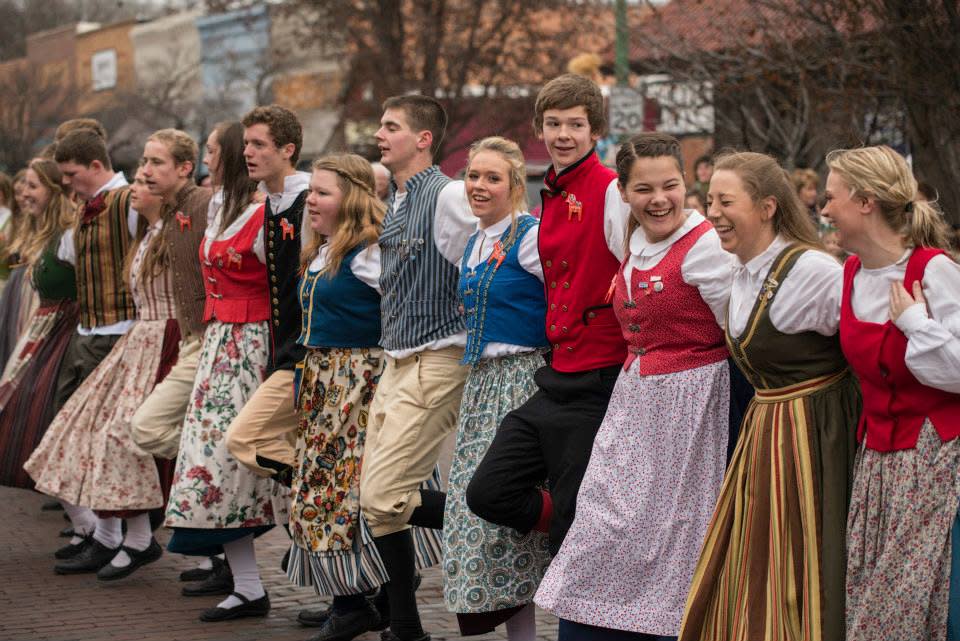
(582, 242)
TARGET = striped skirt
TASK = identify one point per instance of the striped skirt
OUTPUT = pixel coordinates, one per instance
(333, 549)
(28, 388)
(772, 565)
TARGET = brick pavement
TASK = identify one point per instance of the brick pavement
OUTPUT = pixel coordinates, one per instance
(37, 605)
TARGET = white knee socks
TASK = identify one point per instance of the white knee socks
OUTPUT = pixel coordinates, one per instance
(522, 626)
(108, 532)
(246, 577)
(83, 520)
(138, 538)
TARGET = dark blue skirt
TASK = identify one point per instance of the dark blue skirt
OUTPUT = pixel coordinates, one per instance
(201, 542)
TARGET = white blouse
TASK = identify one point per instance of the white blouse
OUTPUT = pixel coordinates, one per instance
(365, 265)
(706, 266)
(807, 300)
(528, 255)
(933, 339)
(211, 234)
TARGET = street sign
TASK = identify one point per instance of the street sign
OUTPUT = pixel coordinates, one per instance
(626, 111)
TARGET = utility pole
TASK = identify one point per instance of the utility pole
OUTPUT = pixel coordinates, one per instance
(621, 63)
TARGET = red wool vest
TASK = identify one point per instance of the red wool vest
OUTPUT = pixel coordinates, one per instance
(578, 268)
(667, 323)
(895, 403)
(235, 280)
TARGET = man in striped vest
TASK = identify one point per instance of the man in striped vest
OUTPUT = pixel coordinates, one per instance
(418, 399)
(97, 247)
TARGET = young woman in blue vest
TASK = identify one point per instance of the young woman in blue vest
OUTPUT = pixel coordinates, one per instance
(491, 572)
(333, 548)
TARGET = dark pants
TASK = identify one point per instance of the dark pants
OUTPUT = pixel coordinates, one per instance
(83, 355)
(550, 438)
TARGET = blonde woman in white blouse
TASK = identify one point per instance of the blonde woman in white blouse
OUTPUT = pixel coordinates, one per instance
(900, 331)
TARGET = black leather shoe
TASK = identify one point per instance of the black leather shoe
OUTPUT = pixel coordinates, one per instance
(258, 608)
(67, 533)
(314, 618)
(219, 582)
(137, 558)
(387, 635)
(344, 626)
(202, 574)
(53, 505)
(90, 559)
(71, 550)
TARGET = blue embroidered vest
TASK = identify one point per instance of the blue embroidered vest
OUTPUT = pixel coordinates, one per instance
(503, 302)
(342, 311)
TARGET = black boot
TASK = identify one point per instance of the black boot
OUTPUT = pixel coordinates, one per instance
(397, 553)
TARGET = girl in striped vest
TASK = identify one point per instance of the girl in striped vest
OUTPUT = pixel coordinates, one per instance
(87, 457)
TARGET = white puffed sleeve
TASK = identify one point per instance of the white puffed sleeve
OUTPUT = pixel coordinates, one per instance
(933, 341)
(710, 269)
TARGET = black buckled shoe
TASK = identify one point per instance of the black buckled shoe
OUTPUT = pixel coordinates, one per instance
(71, 550)
(257, 608)
(67, 533)
(138, 558)
(219, 582)
(202, 574)
(93, 557)
(53, 505)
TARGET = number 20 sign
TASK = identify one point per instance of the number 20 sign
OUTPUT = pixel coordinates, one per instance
(626, 111)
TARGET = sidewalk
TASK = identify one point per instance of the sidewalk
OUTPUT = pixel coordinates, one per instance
(37, 605)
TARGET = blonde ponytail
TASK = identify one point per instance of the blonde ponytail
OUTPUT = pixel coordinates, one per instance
(882, 174)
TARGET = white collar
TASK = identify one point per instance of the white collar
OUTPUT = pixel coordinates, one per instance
(892, 266)
(762, 262)
(292, 184)
(118, 180)
(640, 246)
(495, 230)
